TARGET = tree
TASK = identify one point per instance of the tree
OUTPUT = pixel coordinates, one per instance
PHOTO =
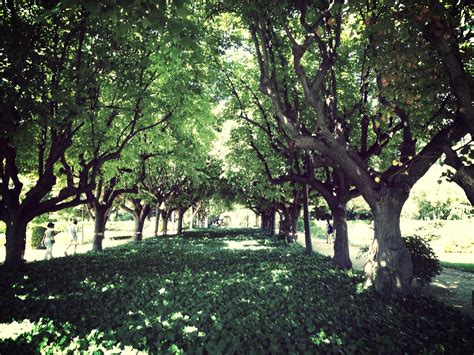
(54, 57)
(314, 34)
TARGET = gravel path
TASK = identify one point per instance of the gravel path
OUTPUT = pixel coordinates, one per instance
(452, 287)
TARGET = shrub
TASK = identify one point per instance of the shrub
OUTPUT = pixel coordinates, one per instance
(315, 230)
(123, 217)
(425, 263)
(37, 233)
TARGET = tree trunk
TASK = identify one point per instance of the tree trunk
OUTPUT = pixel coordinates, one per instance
(15, 243)
(264, 222)
(285, 224)
(391, 269)
(307, 230)
(181, 213)
(294, 216)
(341, 243)
(157, 221)
(271, 222)
(100, 215)
(464, 177)
(164, 226)
(140, 214)
(139, 223)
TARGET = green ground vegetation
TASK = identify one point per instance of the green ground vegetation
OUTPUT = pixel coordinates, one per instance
(208, 292)
(458, 266)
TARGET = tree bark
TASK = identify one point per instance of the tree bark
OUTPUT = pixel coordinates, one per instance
(100, 220)
(307, 230)
(391, 269)
(464, 177)
(165, 215)
(139, 223)
(181, 213)
(140, 213)
(264, 222)
(341, 243)
(15, 243)
(285, 224)
(271, 223)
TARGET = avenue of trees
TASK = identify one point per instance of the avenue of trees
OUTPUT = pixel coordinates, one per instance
(117, 103)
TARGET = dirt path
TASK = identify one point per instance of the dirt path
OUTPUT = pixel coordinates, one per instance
(452, 287)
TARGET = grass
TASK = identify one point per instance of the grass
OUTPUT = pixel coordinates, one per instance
(211, 293)
(458, 266)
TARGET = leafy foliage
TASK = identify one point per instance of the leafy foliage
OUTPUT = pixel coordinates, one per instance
(425, 263)
(37, 233)
(214, 294)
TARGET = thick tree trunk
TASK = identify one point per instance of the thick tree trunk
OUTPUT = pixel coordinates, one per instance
(289, 221)
(15, 243)
(307, 230)
(464, 177)
(285, 224)
(391, 269)
(294, 216)
(100, 215)
(157, 221)
(271, 223)
(139, 223)
(268, 222)
(264, 222)
(341, 243)
(164, 224)
(181, 213)
(140, 214)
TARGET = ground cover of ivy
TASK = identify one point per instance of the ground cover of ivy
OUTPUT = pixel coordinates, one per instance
(212, 292)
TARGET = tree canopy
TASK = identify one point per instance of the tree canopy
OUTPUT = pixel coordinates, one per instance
(108, 102)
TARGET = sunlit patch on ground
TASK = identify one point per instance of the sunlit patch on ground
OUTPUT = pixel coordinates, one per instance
(14, 329)
(245, 245)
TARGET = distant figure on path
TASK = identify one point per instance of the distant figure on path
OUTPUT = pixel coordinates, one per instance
(48, 241)
(329, 231)
(72, 229)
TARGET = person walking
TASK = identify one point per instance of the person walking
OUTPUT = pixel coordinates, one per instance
(48, 240)
(72, 229)
(329, 231)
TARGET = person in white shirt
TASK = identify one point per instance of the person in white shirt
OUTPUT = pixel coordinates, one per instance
(72, 229)
(48, 241)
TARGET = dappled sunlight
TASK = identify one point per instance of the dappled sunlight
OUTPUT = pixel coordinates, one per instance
(216, 295)
(245, 245)
(14, 329)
